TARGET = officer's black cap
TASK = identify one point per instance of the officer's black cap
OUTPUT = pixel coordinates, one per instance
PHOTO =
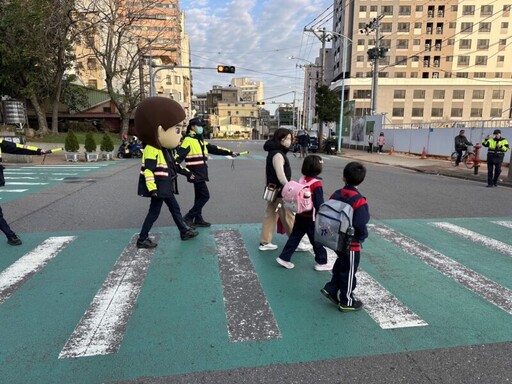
(496, 131)
(197, 121)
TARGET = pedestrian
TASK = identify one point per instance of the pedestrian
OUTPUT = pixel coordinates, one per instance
(277, 172)
(343, 282)
(461, 145)
(158, 124)
(497, 146)
(15, 149)
(304, 143)
(304, 222)
(194, 150)
(370, 142)
(381, 141)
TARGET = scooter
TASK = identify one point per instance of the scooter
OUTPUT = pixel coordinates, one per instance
(129, 149)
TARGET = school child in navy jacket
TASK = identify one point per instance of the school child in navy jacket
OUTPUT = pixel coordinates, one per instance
(341, 287)
(304, 224)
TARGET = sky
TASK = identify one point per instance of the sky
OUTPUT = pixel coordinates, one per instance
(257, 37)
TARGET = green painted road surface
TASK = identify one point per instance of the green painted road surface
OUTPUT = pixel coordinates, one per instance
(23, 180)
(71, 314)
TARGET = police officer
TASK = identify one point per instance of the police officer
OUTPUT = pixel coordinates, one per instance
(194, 150)
(497, 146)
(16, 149)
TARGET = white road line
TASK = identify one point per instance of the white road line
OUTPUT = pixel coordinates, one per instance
(384, 308)
(23, 269)
(21, 178)
(101, 328)
(475, 282)
(507, 224)
(475, 237)
(76, 167)
(23, 183)
(12, 190)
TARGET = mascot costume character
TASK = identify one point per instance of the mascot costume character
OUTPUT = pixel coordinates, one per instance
(158, 122)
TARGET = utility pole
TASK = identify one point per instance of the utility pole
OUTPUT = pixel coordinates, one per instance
(374, 54)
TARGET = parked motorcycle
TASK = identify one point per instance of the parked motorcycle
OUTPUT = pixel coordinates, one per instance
(130, 149)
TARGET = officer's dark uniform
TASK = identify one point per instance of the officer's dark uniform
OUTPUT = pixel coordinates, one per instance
(495, 154)
(194, 150)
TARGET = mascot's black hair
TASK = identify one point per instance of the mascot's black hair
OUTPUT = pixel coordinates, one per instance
(153, 112)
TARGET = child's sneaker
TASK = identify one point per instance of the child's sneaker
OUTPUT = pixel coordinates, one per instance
(356, 306)
(323, 267)
(267, 247)
(14, 240)
(285, 263)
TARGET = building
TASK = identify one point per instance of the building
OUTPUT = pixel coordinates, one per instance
(249, 90)
(445, 61)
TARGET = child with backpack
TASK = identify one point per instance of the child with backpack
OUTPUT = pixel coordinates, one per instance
(304, 221)
(343, 282)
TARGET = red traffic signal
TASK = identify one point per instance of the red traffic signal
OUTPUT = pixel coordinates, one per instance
(225, 69)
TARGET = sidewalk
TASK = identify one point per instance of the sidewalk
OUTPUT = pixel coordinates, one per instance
(430, 165)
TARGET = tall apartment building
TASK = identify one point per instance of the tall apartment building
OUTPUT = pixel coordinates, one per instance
(249, 90)
(446, 59)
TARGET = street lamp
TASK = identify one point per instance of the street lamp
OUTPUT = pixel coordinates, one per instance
(310, 65)
(344, 69)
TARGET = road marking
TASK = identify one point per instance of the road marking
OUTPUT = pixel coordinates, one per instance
(247, 310)
(384, 308)
(507, 224)
(13, 190)
(487, 242)
(101, 329)
(24, 183)
(22, 270)
(78, 167)
(475, 282)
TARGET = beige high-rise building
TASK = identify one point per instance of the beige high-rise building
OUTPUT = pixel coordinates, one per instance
(446, 60)
(249, 90)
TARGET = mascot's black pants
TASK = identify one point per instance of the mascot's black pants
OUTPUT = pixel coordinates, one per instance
(4, 227)
(154, 211)
(201, 197)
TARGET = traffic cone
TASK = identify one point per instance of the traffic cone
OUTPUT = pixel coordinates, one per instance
(392, 151)
(424, 153)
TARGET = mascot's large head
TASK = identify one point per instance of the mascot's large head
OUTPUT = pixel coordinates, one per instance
(158, 122)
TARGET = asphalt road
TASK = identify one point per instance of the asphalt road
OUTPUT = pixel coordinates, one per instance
(106, 201)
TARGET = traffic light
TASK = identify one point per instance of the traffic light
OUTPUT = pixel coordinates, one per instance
(225, 69)
(260, 103)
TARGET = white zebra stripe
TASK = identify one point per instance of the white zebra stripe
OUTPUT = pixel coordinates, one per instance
(507, 224)
(487, 242)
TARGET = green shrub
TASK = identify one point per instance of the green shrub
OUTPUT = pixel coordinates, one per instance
(71, 142)
(90, 143)
(106, 143)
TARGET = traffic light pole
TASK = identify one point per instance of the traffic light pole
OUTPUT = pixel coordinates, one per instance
(375, 73)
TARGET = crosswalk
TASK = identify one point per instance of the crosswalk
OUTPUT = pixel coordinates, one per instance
(22, 180)
(250, 313)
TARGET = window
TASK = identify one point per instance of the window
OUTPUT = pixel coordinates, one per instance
(468, 10)
(419, 94)
(387, 10)
(498, 94)
(362, 8)
(496, 112)
(482, 44)
(476, 112)
(463, 60)
(399, 75)
(362, 94)
(361, 42)
(456, 112)
(417, 112)
(449, 59)
(462, 75)
(402, 44)
(360, 58)
(399, 94)
(437, 112)
(403, 27)
(498, 75)
(480, 75)
(478, 94)
(438, 94)
(398, 112)
(484, 27)
(177, 79)
(404, 10)
(454, 8)
(416, 42)
(458, 94)
(419, 8)
(465, 44)
(504, 25)
(481, 60)
(452, 25)
(466, 27)
(506, 8)
(414, 75)
(92, 83)
(486, 10)
(451, 42)
(386, 27)
(500, 59)
(373, 8)
(417, 25)
(91, 64)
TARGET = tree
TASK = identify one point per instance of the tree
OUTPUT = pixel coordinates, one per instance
(119, 44)
(327, 104)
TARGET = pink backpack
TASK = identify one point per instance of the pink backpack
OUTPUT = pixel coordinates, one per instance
(297, 195)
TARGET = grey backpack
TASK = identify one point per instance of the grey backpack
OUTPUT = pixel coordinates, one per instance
(333, 224)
